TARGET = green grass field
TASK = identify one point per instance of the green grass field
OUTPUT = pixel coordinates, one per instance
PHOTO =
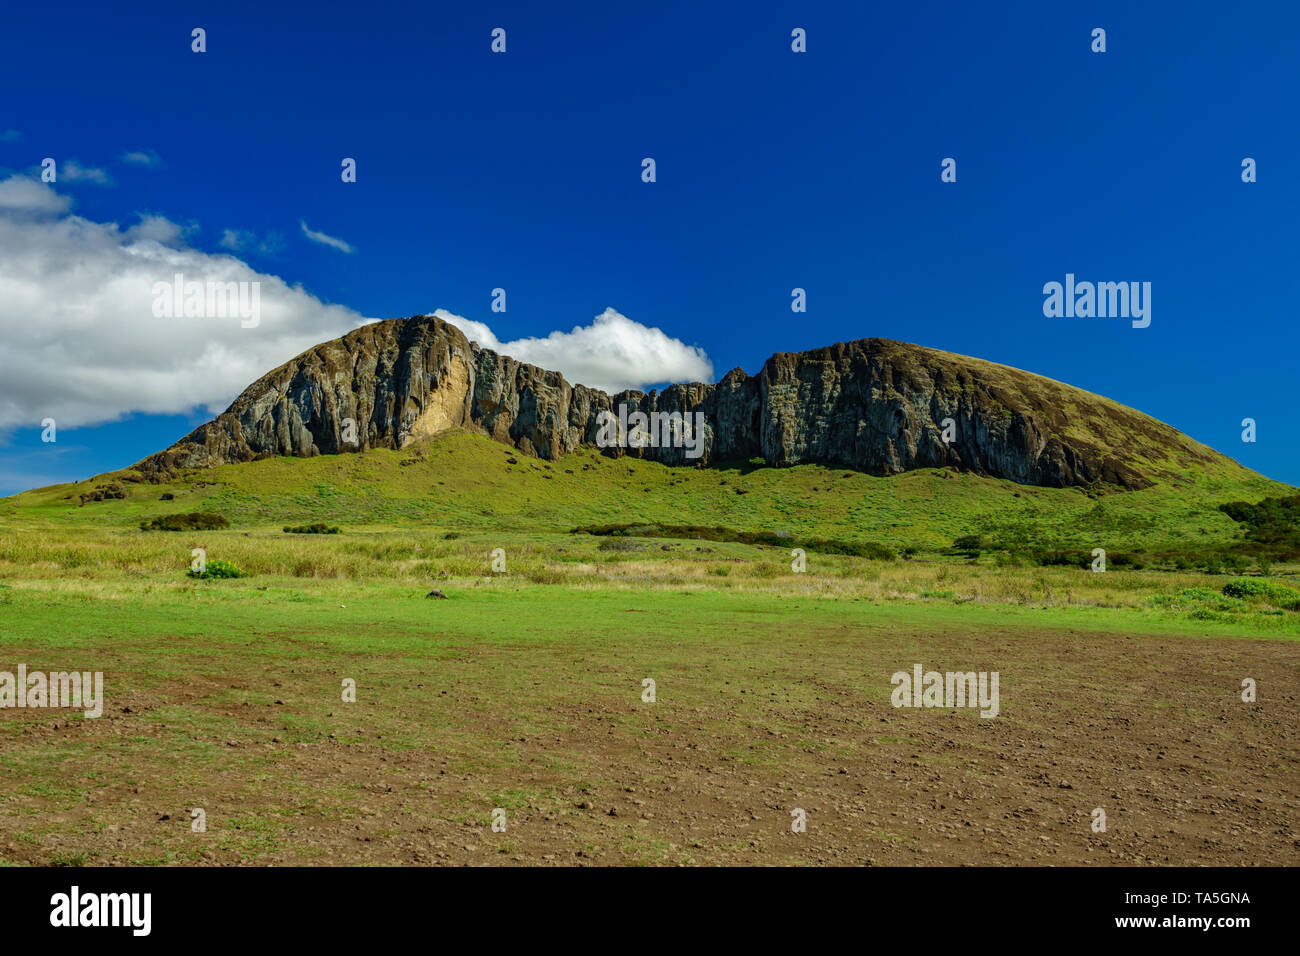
(521, 690)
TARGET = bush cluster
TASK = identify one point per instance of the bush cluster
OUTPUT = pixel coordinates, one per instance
(194, 521)
(216, 568)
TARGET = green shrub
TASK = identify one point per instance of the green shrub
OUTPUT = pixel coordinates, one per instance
(216, 568)
(1259, 589)
(1272, 525)
(1202, 604)
(195, 521)
(317, 528)
(858, 549)
(1246, 587)
(1119, 559)
(1052, 558)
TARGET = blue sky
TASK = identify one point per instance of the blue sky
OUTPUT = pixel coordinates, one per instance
(775, 170)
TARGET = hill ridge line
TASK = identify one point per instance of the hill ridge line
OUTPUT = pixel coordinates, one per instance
(874, 405)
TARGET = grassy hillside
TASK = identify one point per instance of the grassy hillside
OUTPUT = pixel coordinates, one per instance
(464, 482)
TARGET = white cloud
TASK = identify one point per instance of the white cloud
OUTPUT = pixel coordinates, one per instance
(244, 240)
(19, 194)
(78, 338)
(142, 157)
(323, 239)
(161, 230)
(611, 354)
(73, 172)
(475, 332)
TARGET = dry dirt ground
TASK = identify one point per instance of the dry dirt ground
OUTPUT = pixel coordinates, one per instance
(1152, 730)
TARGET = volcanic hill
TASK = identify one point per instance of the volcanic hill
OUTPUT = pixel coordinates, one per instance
(873, 405)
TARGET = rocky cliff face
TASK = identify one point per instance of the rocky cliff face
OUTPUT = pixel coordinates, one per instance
(873, 405)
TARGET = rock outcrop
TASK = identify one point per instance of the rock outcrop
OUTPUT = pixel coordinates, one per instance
(873, 405)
